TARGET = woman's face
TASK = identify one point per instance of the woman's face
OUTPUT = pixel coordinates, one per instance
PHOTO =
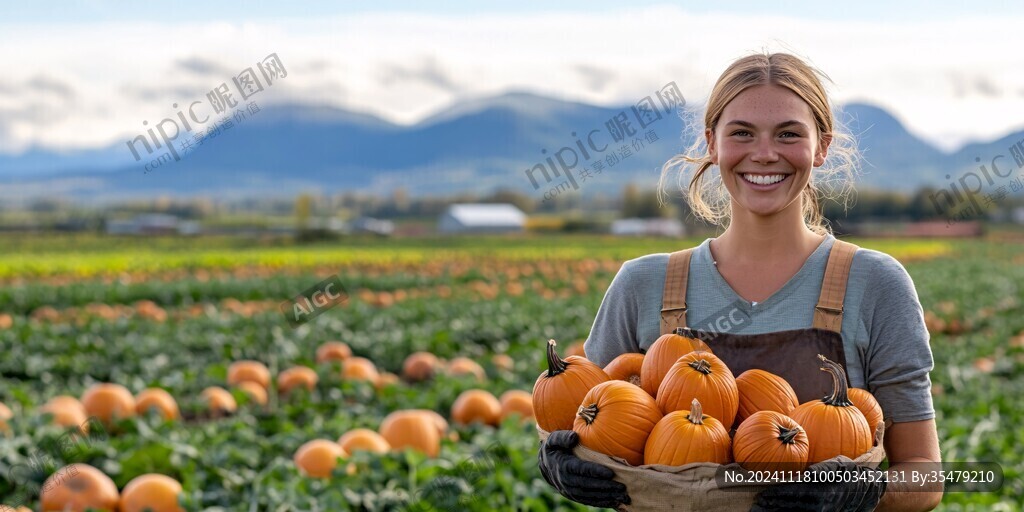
(765, 145)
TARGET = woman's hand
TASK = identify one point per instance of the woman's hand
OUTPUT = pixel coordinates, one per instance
(584, 482)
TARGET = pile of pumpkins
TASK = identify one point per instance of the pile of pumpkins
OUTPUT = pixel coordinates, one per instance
(677, 403)
(418, 429)
(81, 486)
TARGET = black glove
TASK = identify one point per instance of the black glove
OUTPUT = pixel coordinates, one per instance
(584, 482)
(853, 489)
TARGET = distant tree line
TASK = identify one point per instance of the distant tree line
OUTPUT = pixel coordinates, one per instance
(587, 212)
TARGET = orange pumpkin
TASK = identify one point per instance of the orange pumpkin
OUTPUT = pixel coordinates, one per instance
(558, 392)
(78, 487)
(361, 369)
(332, 351)
(411, 429)
(108, 402)
(864, 401)
(318, 458)
(764, 391)
(159, 399)
(419, 366)
(503, 362)
(770, 441)
(703, 376)
(219, 401)
(466, 366)
(626, 367)
(476, 405)
(257, 394)
(386, 379)
(254, 371)
(516, 402)
(67, 411)
(151, 493)
(615, 418)
(664, 352)
(686, 437)
(363, 439)
(576, 349)
(296, 377)
(834, 425)
(5, 414)
(436, 419)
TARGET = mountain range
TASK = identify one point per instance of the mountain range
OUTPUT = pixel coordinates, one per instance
(474, 146)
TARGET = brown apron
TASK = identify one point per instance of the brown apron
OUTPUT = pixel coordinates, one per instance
(792, 355)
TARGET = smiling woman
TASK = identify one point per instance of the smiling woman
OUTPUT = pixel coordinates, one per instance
(771, 135)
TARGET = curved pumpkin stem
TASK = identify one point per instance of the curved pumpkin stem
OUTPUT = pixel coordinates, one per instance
(839, 397)
(788, 435)
(696, 415)
(555, 364)
(588, 413)
(701, 365)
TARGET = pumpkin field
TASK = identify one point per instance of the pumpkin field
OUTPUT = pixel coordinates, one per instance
(258, 415)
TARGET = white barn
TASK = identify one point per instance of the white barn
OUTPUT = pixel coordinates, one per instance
(648, 227)
(482, 218)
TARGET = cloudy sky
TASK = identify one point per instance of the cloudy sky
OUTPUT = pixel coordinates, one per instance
(92, 73)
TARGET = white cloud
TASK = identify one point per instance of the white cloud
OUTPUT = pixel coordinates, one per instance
(948, 81)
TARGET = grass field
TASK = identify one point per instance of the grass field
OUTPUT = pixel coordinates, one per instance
(174, 313)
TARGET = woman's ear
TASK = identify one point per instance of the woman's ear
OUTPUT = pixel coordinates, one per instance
(822, 151)
(709, 136)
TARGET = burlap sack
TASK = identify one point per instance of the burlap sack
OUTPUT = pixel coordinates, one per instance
(693, 486)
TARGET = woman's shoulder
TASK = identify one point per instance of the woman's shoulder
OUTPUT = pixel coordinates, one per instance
(644, 270)
(877, 266)
(647, 262)
(881, 280)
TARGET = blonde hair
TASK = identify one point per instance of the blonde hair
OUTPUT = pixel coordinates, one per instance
(708, 198)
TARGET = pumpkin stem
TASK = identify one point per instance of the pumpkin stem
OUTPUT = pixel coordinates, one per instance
(696, 415)
(555, 364)
(588, 413)
(701, 365)
(788, 435)
(839, 397)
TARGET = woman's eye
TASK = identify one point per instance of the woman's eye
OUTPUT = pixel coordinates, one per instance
(739, 132)
(794, 134)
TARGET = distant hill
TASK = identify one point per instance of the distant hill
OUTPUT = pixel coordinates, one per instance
(476, 145)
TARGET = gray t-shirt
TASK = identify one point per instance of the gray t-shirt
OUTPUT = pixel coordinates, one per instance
(884, 334)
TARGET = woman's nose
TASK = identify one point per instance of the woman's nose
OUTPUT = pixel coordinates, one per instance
(764, 151)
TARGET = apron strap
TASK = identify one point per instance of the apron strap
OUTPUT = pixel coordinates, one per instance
(828, 314)
(673, 299)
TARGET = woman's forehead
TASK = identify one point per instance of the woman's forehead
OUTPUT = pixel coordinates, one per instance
(767, 105)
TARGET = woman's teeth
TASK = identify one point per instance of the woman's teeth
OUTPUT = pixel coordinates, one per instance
(764, 180)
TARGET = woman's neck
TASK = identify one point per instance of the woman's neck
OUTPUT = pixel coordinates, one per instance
(754, 240)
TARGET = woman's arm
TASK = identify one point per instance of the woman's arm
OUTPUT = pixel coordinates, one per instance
(899, 360)
(909, 446)
(614, 331)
